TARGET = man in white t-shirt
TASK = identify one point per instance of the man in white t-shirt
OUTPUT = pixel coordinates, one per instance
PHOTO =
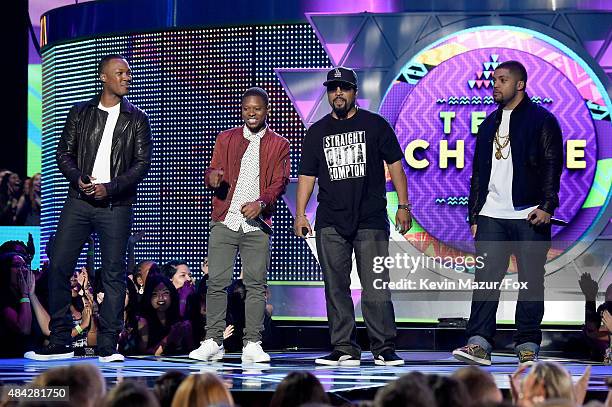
(104, 152)
(514, 190)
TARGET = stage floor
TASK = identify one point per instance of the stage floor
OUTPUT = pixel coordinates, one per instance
(265, 377)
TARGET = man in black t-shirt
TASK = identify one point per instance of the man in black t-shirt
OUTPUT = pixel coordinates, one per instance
(346, 151)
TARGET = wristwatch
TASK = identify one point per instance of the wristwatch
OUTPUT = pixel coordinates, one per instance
(407, 207)
(262, 205)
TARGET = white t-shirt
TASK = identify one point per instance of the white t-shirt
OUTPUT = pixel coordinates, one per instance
(499, 199)
(102, 166)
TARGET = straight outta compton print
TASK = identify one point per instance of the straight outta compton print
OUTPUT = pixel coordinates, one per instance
(345, 155)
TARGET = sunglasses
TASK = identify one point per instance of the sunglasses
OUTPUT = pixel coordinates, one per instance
(345, 87)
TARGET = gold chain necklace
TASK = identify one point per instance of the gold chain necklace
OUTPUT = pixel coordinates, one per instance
(499, 146)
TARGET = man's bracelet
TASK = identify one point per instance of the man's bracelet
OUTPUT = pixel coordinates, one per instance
(300, 216)
(24, 300)
(407, 207)
(79, 329)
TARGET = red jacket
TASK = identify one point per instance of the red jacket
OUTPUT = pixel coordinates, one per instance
(274, 167)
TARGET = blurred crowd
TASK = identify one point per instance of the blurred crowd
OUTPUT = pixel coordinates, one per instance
(542, 384)
(164, 314)
(19, 199)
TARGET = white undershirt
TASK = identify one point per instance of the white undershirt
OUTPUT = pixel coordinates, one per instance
(101, 169)
(499, 198)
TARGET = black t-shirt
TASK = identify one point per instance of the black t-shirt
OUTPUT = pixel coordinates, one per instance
(347, 157)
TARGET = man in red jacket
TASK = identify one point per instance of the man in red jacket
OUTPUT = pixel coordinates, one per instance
(249, 172)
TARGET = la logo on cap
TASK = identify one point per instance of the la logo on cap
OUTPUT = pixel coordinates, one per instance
(337, 73)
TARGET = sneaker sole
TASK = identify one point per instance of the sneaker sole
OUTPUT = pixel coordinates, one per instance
(390, 363)
(472, 360)
(253, 360)
(111, 359)
(326, 362)
(213, 358)
(45, 358)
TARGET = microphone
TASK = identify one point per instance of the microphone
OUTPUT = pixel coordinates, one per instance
(305, 231)
(263, 225)
(85, 179)
(558, 222)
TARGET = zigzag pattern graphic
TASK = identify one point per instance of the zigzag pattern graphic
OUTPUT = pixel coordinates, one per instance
(598, 112)
(539, 100)
(453, 200)
(488, 100)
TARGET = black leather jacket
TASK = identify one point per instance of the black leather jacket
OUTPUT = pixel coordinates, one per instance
(537, 159)
(130, 152)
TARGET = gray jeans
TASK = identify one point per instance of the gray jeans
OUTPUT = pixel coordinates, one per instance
(254, 248)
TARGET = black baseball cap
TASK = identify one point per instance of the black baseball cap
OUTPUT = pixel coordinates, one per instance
(341, 75)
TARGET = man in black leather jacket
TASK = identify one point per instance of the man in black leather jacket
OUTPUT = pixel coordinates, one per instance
(514, 190)
(104, 152)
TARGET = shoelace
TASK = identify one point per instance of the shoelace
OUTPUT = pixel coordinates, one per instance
(472, 347)
(527, 354)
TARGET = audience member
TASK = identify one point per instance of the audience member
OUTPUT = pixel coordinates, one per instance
(545, 381)
(166, 386)
(20, 200)
(143, 270)
(84, 331)
(410, 390)
(597, 320)
(131, 250)
(86, 386)
(236, 316)
(130, 394)
(23, 319)
(202, 390)
(480, 385)
(298, 388)
(29, 204)
(160, 329)
(128, 338)
(179, 273)
(449, 392)
(10, 192)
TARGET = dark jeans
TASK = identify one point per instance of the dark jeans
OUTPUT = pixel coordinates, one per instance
(496, 240)
(335, 253)
(77, 221)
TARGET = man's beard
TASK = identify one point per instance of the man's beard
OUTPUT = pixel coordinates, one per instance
(342, 112)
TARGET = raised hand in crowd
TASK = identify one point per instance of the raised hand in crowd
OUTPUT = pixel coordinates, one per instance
(588, 286)
(229, 331)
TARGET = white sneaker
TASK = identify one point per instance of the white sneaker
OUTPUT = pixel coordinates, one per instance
(253, 352)
(208, 350)
(115, 357)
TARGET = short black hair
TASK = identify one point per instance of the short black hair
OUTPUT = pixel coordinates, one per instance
(515, 68)
(255, 91)
(169, 269)
(105, 60)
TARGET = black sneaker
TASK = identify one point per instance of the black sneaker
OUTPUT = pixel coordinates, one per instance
(473, 354)
(337, 358)
(388, 358)
(527, 357)
(51, 352)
